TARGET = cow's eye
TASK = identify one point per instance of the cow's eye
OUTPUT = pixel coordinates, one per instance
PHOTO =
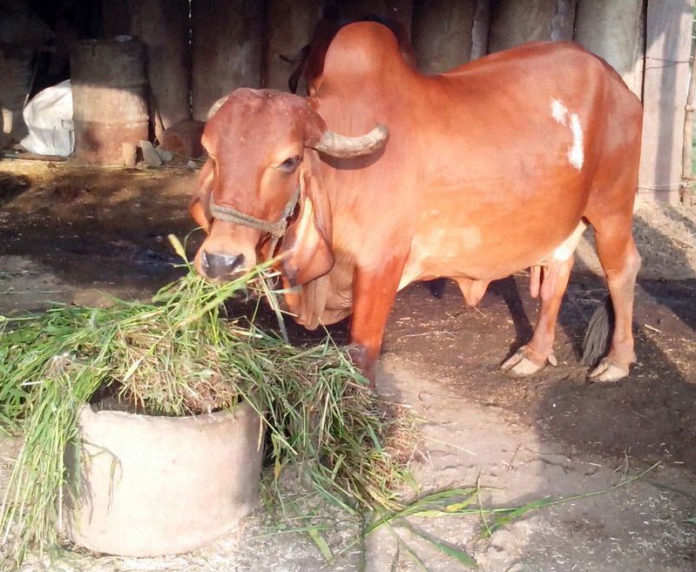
(290, 164)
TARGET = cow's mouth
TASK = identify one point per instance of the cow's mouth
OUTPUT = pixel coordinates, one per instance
(216, 266)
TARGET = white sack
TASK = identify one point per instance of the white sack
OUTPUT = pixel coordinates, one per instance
(49, 118)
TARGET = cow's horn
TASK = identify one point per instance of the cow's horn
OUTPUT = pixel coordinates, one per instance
(216, 106)
(345, 147)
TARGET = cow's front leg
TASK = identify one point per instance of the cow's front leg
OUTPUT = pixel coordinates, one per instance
(373, 296)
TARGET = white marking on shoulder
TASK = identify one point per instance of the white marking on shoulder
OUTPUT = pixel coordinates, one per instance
(560, 113)
(576, 155)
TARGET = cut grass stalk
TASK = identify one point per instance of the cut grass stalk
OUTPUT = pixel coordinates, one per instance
(176, 355)
(401, 543)
(452, 552)
(464, 501)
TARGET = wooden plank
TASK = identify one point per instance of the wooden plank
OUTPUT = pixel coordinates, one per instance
(26, 156)
(665, 87)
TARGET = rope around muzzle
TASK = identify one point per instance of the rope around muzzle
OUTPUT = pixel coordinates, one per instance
(275, 229)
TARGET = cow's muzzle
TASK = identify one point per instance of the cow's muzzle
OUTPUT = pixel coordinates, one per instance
(221, 266)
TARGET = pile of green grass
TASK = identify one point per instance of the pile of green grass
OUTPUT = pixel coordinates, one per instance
(176, 355)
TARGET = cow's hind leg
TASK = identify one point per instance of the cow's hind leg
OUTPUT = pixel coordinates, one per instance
(621, 262)
(531, 358)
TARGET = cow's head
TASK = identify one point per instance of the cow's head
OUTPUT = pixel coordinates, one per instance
(260, 177)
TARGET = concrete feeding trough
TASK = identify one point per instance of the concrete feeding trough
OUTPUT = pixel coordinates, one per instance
(151, 485)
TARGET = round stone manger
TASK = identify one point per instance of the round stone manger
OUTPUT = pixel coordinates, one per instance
(151, 485)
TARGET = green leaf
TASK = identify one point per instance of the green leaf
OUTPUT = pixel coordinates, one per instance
(452, 552)
(515, 513)
(322, 545)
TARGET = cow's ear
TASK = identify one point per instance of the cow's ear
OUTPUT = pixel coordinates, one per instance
(199, 207)
(306, 247)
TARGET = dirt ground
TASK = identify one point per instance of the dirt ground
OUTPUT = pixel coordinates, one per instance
(71, 234)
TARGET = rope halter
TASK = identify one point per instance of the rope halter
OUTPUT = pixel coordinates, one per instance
(275, 229)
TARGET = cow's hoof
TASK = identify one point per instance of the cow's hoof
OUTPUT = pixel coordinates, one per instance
(524, 362)
(608, 371)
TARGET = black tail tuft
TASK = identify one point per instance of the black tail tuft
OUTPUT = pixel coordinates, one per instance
(598, 335)
(437, 287)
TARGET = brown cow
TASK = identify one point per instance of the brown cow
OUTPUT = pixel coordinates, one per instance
(494, 167)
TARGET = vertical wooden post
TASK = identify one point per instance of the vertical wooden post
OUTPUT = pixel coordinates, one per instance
(442, 33)
(687, 194)
(563, 21)
(514, 22)
(228, 39)
(163, 26)
(480, 29)
(290, 25)
(667, 71)
(614, 31)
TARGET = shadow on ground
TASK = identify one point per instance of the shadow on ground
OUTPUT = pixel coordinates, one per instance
(97, 227)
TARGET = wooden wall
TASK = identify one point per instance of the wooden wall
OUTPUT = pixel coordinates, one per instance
(195, 58)
(227, 51)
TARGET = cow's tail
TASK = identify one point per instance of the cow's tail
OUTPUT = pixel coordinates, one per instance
(598, 335)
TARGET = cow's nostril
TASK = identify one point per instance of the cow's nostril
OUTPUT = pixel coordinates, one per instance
(220, 265)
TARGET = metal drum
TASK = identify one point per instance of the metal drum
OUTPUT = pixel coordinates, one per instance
(109, 98)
